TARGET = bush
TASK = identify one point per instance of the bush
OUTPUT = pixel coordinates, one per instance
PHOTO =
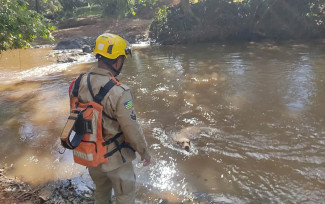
(224, 20)
(20, 26)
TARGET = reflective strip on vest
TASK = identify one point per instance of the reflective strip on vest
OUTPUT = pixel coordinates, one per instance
(93, 137)
(88, 157)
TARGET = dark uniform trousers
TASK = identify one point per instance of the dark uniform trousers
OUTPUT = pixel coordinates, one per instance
(121, 179)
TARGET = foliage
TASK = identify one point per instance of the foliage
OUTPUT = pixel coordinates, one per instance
(44, 7)
(122, 8)
(20, 26)
(88, 10)
(69, 5)
(219, 20)
(112, 7)
(64, 9)
(161, 14)
(144, 2)
(160, 21)
(284, 19)
(135, 6)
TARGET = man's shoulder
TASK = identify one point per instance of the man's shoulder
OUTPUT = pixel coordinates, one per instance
(124, 87)
(118, 89)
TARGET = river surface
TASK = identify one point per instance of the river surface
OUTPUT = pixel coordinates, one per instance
(261, 106)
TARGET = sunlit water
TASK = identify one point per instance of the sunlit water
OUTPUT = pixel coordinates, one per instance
(263, 104)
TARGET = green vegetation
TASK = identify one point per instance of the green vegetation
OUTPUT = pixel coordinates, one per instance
(123, 8)
(224, 20)
(20, 26)
(189, 21)
(21, 21)
(90, 10)
(45, 7)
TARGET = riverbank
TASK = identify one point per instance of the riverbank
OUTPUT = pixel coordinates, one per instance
(13, 190)
(134, 30)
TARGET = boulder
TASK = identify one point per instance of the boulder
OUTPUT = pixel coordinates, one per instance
(86, 49)
(75, 43)
(68, 43)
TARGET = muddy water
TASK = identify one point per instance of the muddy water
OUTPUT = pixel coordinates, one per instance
(261, 107)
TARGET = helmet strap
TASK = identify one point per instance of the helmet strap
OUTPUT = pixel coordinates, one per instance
(112, 68)
(120, 69)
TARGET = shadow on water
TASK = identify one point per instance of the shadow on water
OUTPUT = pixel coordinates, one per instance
(261, 102)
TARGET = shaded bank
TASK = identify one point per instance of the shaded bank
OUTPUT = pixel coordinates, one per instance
(220, 20)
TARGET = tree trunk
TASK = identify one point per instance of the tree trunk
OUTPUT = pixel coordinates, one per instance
(37, 6)
(185, 5)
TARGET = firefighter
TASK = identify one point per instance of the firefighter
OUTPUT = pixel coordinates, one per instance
(121, 129)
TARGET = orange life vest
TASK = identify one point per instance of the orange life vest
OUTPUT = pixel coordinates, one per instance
(83, 130)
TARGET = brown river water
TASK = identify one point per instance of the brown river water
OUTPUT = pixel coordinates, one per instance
(261, 105)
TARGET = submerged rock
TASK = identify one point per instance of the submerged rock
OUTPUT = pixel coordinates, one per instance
(65, 58)
(86, 49)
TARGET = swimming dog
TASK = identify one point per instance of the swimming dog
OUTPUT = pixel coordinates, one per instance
(182, 137)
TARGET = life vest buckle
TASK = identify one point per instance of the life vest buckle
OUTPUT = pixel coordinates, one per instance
(117, 83)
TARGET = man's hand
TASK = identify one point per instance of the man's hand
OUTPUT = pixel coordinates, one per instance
(146, 162)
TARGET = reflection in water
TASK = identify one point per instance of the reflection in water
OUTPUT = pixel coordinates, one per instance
(302, 84)
(20, 60)
(38, 167)
(261, 151)
(161, 174)
(264, 104)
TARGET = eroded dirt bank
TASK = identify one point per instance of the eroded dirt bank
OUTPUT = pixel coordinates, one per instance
(134, 30)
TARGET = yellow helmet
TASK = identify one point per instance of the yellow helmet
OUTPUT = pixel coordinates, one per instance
(111, 46)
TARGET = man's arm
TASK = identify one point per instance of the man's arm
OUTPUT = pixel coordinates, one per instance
(130, 126)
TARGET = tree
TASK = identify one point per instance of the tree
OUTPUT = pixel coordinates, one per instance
(113, 7)
(37, 6)
(44, 7)
(69, 5)
(20, 26)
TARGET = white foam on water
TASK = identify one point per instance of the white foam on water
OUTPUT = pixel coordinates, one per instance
(8, 77)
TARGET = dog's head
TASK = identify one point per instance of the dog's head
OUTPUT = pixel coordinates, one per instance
(184, 143)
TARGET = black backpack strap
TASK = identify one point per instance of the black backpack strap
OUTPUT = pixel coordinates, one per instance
(118, 145)
(103, 91)
(118, 148)
(107, 142)
(106, 115)
(89, 86)
(75, 90)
